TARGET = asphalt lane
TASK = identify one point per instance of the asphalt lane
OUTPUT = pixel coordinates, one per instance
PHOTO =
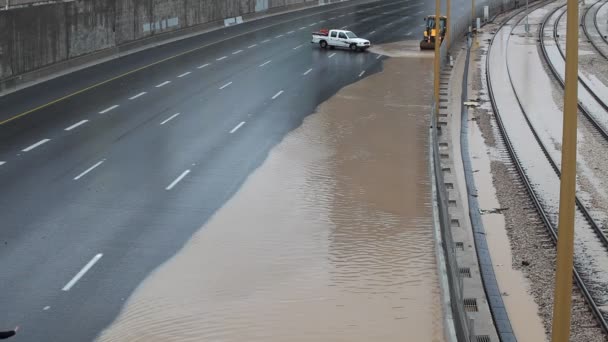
(132, 186)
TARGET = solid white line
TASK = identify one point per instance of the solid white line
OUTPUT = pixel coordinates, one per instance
(203, 66)
(307, 71)
(252, 46)
(138, 95)
(265, 41)
(184, 74)
(43, 141)
(169, 118)
(108, 109)
(279, 36)
(290, 32)
(163, 84)
(88, 170)
(297, 47)
(219, 59)
(277, 95)
(2, 163)
(237, 52)
(84, 270)
(362, 72)
(265, 63)
(333, 54)
(237, 127)
(225, 85)
(76, 125)
(177, 180)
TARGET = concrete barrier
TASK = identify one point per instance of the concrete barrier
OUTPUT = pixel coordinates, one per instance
(40, 38)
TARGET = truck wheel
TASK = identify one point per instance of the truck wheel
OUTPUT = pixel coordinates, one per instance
(323, 44)
(353, 47)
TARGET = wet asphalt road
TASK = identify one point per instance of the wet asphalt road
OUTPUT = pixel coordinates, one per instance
(132, 184)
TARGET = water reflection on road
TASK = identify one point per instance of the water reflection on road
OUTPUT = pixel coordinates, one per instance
(329, 240)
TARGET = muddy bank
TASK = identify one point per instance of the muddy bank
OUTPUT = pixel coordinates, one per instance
(329, 240)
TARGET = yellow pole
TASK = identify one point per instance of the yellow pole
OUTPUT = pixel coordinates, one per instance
(448, 27)
(565, 242)
(437, 54)
(472, 13)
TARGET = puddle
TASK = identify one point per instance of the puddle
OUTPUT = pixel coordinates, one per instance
(520, 304)
(330, 239)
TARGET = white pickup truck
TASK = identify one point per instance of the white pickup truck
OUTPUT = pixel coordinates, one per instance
(340, 38)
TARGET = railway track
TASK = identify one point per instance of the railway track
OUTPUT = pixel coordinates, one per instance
(590, 288)
(593, 32)
(588, 97)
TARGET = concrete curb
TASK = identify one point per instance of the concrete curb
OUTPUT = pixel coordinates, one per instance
(497, 307)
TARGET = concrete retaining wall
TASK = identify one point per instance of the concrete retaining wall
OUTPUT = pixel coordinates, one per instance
(34, 37)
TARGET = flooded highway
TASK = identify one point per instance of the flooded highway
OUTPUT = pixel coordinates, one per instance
(330, 239)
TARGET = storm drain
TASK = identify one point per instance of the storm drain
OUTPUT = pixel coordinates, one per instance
(449, 185)
(482, 338)
(465, 272)
(455, 223)
(460, 245)
(470, 304)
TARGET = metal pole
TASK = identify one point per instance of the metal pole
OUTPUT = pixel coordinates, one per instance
(527, 23)
(565, 242)
(447, 25)
(437, 56)
(472, 12)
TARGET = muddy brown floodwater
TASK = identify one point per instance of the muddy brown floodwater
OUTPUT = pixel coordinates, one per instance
(330, 239)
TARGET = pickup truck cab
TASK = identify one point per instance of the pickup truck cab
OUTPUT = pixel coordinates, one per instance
(340, 38)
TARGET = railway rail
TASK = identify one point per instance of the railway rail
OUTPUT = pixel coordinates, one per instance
(582, 278)
(593, 32)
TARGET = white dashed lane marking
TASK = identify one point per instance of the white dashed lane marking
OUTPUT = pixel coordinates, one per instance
(225, 85)
(89, 170)
(169, 118)
(82, 122)
(138, 95)
(237, 127)
(177, 180)
(108, 109)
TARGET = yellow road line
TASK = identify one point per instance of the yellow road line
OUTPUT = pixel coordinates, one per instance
(20, 115)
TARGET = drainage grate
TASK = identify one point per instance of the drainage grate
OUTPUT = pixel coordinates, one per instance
(448, 185)
(451, 203)
(455, 223)
(482, 338)
(465, 272)
(460, 245)
(470, 305)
